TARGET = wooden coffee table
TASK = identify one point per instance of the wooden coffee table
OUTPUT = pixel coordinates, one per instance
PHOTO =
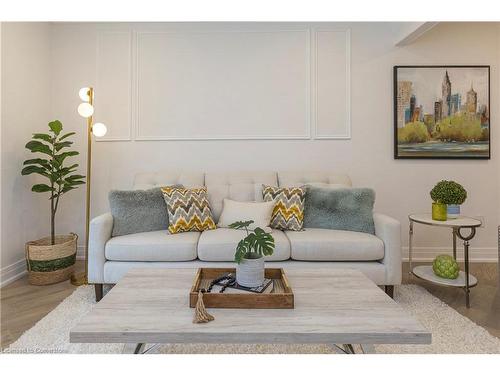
(341, 307)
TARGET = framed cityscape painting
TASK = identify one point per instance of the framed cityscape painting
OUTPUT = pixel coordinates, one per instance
(442, 112)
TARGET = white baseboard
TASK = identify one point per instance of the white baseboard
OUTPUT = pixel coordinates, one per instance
(80, 252)
(12, 272)
(476, 254)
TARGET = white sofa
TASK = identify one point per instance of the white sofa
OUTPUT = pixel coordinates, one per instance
(377, 256)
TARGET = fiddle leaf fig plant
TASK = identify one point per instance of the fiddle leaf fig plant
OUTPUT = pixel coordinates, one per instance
(448, 192)
(53, 164)
(256, 244)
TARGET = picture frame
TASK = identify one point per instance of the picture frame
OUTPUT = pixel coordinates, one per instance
(442, 112)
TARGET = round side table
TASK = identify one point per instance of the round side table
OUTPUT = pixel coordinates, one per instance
(465, 280)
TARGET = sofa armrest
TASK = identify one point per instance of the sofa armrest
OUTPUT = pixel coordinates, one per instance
(389, 231)
(100, 232)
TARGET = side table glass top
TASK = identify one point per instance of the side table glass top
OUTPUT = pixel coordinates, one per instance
(461, 221)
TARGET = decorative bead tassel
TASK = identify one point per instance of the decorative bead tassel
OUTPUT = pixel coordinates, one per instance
(200, 313)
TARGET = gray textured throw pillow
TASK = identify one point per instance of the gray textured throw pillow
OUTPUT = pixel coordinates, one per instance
(136, 211)
(342, 209)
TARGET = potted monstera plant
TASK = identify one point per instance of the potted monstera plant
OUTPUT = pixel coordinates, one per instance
(250, 253)
(447, 197)
(51, 259)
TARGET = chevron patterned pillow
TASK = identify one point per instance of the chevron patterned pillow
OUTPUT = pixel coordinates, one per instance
(188, 209)
(288, 211)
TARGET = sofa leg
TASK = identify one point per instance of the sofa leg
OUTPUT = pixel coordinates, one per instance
(389, 289)
(98, 292)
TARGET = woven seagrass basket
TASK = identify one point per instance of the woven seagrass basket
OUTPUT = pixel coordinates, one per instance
(50, 264)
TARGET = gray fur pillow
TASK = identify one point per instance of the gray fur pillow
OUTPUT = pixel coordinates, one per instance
(136, 211)
(342, 209)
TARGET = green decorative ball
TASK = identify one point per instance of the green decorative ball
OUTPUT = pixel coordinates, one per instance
(445, 266)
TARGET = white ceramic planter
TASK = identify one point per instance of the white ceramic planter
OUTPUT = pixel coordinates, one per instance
(453, 211)
(250, 272)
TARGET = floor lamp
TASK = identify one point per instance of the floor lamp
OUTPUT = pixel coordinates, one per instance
(86, 110)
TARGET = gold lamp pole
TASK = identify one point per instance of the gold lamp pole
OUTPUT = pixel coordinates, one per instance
(86, 110)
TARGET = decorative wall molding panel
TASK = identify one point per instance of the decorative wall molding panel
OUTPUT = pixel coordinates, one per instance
(114, 84)
(332, 78)
(224, 84)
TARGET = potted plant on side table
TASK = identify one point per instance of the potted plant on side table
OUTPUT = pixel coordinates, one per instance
(52, 259)
(447, 197)
(250, 253)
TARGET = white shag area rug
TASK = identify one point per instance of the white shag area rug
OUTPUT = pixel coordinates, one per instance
(451, 332)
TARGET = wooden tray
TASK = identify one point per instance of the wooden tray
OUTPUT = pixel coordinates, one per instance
(282, 299)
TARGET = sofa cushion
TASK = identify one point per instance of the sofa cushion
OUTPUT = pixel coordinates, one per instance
(136, 211)
(340, 209)
(188, 209)
(334, 245)
(150, 180)
(238, 186)
(219, 245)
(288, 210)
(157, 246)
(258, 212)
(299, 178)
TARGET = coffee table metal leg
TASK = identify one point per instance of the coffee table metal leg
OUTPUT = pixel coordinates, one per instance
(139, 348)
(135, 348)
(343, 348)
(349, 349)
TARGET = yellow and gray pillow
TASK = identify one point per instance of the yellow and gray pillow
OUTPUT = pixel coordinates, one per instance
(188, 209)
(288, 211)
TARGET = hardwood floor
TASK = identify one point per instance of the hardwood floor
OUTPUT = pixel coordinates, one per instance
(22, 305)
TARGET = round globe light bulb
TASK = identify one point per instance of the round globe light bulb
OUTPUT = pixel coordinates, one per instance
(85, 110)
(84, 94)
(99, 129)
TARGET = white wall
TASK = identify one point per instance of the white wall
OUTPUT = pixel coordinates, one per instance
(25, 55)
(402, 186)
